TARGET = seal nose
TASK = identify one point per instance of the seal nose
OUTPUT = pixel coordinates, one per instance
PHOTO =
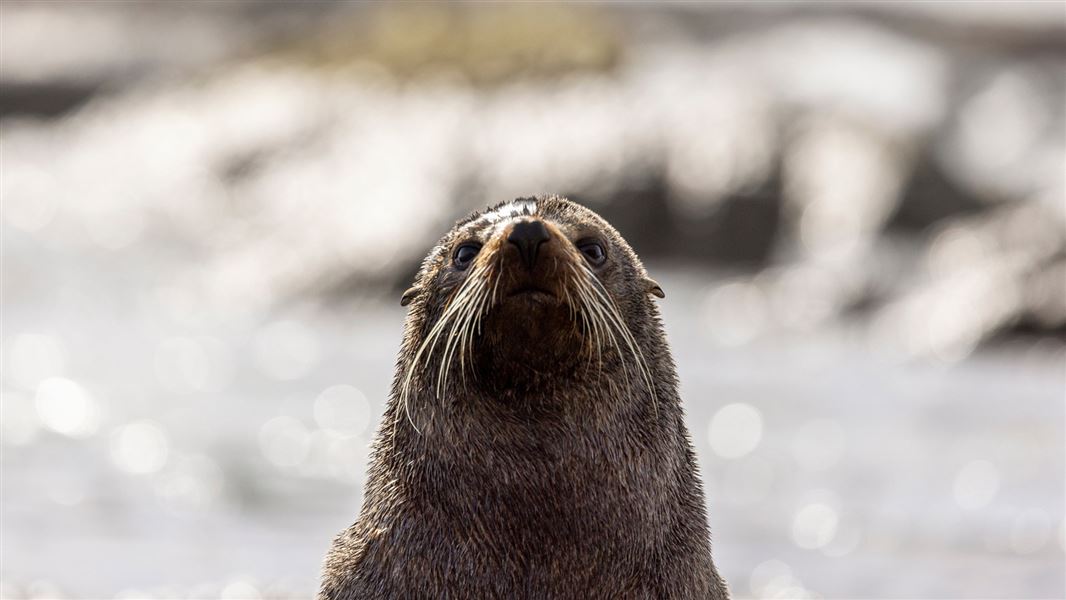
(528, 236)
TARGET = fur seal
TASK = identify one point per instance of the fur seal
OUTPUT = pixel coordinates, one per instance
(533, 445)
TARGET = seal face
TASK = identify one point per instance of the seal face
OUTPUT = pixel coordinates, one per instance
(533, 445)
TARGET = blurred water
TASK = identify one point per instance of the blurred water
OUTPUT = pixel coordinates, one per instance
(182, 460)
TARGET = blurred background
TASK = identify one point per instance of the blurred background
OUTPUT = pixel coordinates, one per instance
(856, 210)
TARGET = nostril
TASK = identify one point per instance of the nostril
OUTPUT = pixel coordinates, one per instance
(528, 236)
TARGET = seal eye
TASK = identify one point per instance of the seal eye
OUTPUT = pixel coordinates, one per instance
(464, 255)
(593, 252)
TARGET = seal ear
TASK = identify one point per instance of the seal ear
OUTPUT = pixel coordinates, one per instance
(653, 288)
(409, 295)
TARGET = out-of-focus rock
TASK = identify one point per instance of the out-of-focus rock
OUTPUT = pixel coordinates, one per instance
(328, 163)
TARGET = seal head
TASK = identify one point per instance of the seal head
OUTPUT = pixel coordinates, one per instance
(529, 289)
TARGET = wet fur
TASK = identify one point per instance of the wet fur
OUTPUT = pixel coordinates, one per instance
(531, 474)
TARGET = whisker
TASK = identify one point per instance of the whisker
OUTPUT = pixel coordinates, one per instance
(608, 310)
(627, 335)
(610, 325)
(453, 308)
(586, 318)
(466, 333)
(455, 335)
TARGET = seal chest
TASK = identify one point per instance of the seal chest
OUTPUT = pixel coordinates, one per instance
(533, 444)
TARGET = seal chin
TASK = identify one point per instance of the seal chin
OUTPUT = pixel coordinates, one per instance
(526, 335)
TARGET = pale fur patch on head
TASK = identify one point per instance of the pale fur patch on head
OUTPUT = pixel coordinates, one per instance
(515, 208)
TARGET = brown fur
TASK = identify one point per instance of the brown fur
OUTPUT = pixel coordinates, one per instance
(543, 468)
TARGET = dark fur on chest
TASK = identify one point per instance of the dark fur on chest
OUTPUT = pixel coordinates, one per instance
(541, 507)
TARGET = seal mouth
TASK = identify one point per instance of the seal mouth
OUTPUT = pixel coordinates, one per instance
(531, 291)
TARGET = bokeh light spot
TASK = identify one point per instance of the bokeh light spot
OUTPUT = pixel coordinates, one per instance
(139, 448)
(1031, 531)
(814, 525)
(766, 573)
(240, 589)
(735, 430)
(67, 408)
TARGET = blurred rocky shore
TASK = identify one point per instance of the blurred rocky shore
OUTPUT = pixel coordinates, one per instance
(897, 169)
